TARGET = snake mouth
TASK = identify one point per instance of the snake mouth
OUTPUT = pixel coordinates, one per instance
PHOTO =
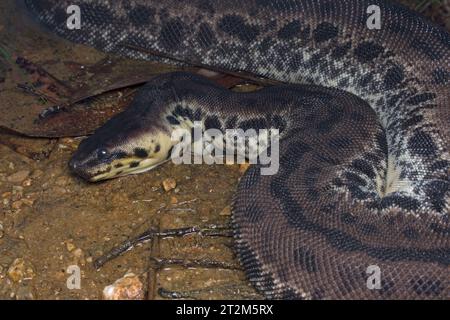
(114, 169)
(126, 167)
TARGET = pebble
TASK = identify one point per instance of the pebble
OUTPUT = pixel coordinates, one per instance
(225, 211)
(19, 176)
(169, 184)
(16, 205)
(129, 287)
(27, 182)
(6, 194)
(70, 246)
(78, 253)
(20, 270)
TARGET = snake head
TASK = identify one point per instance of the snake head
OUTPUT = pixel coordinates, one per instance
(124, 145)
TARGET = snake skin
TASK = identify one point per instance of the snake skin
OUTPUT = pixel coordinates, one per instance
(353, 190)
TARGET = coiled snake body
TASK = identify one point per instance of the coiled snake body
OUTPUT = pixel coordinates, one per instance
(359, 188)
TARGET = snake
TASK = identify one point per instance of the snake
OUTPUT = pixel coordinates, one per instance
(359, 207)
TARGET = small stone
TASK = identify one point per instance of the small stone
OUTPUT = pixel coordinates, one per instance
(28, 202)
(6, 194)
(27, 182)
(173, 200)
(19, 270)
(225, 211)
(169, 184)
(19, 176)
(17, 205)
(129, 287)
(89, 259)
(78, 253)
(70, 246)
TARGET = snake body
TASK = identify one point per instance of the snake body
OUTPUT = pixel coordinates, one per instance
(364, 171)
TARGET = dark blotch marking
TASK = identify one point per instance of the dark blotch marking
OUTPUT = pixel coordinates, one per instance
(366, 80)
(437, 191)
(369, 229)
(118, 165)
(333, 117)
(357, 192)
(255, 123)
(134, 164)
(205, 36)
(368, 51)
(341, 50)
(420, 98)
(347, 218)
(364, 167)
(411, 122)
(172, 120)
(157, 148)
(403, 202)
(325, 31)
(306, 259)
(440, 165)
(382, 142)
(172, 34)
(140, 153)
(422, 144)
(141, 15)
(231, 122)
(235, 26)
(183, 112)
(340, 142)
(394, 76)
(212, 122)
(119, 155)
(427, 287)
(290, 30)
(355, 179)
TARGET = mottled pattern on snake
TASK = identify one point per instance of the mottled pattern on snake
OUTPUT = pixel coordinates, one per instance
(312, 230)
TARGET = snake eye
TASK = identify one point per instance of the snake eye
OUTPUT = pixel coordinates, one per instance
(102, 154)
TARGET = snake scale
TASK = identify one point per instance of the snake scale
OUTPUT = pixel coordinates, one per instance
(364, 120)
